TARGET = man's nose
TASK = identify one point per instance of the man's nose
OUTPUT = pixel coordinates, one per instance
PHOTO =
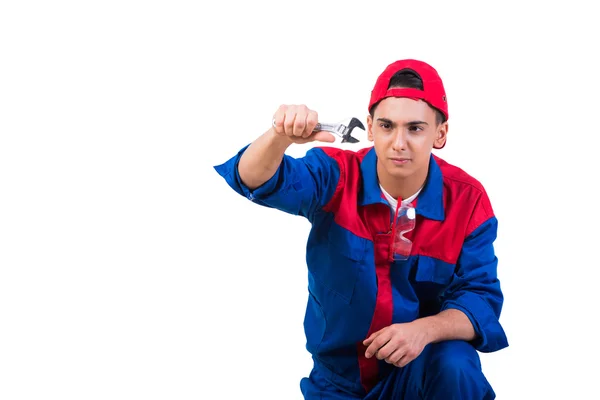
(399, 140)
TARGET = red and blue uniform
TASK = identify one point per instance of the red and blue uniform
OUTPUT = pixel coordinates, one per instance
(355, 290)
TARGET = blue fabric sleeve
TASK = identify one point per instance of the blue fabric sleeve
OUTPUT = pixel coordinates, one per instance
(300, 186)
(475, 288)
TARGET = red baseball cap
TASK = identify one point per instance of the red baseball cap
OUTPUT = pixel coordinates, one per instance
(433, 89)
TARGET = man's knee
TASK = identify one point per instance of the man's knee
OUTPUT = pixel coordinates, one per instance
(455, 367)
(453, 359)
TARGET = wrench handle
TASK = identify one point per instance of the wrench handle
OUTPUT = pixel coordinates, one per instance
(326, 127)
(319, 127)
(333, 128)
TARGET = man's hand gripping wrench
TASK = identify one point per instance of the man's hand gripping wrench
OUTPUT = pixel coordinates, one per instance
(341, 130)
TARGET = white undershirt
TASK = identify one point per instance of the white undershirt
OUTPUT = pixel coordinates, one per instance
(394, 202)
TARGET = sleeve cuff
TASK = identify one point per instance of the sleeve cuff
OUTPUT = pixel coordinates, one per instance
(490, 335)
(229, 171)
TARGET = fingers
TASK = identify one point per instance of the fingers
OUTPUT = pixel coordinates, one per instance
(296, 122)
(312, 120)
(370, 339)
(394, 345)
(377, 343)
(402, 362)
(387, 350)
(407, 356)
(395, 358)
(278, 120)
(289, 121)
(401, 356)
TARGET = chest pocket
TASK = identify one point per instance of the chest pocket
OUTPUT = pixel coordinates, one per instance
(340, 271)
(430, 281)
(433, 271)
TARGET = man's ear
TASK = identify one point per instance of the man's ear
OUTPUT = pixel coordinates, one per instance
(370, 127)
(442, 133)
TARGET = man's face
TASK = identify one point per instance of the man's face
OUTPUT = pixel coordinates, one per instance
(404, 131)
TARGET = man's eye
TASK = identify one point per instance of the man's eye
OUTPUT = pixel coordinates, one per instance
(385, 126)
(415, 128)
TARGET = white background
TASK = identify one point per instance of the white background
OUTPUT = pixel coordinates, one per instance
(129, 270)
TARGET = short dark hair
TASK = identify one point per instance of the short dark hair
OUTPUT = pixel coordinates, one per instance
(409, 79)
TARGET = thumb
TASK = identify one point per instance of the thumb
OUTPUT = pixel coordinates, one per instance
(324, 136)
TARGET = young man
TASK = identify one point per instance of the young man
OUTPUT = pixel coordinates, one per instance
(403, 289)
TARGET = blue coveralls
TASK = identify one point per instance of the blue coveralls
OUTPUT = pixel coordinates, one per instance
(354, 289)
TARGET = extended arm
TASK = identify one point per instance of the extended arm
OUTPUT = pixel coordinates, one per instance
(263, 173)
(262, 158)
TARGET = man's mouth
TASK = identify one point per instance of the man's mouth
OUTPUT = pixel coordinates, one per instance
(400, 160)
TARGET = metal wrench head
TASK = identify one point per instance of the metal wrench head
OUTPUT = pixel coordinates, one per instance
(347, 135)
(342, 130)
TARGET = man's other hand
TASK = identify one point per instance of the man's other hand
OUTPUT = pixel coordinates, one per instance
(397, 344)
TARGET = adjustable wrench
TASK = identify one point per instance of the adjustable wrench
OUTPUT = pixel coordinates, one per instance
(341, 130)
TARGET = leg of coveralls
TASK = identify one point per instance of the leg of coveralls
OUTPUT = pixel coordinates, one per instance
(315, 387)
(454, 372)
(448, 370)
